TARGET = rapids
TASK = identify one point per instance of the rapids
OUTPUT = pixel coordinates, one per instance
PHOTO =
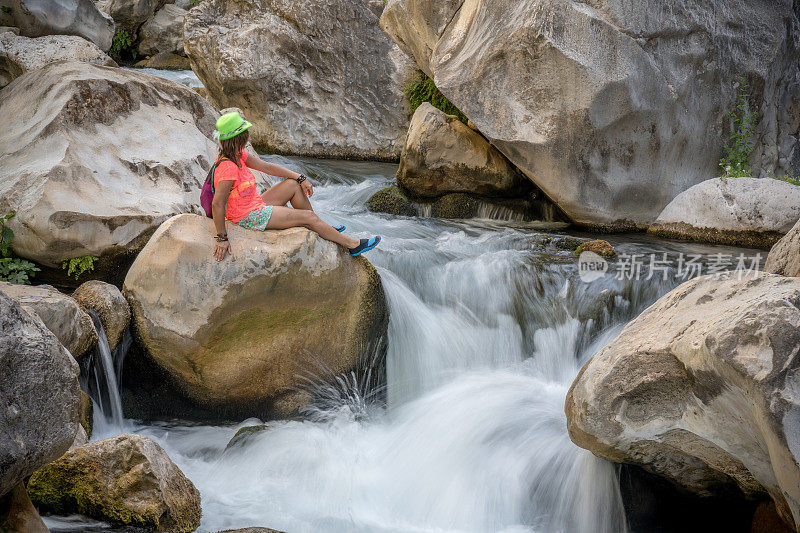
(489, 324)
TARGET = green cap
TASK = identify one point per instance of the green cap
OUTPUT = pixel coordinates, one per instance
(230, 125)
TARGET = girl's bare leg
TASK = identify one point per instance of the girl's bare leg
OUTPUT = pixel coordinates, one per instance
(285, 217)
(287, 191)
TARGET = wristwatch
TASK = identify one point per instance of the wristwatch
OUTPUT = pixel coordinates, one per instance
(301, 179)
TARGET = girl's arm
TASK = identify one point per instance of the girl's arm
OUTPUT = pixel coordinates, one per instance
(256, 163)
(221, 194)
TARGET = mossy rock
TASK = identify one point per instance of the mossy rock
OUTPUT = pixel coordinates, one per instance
(87, 414)
(600, 247)
(391, 201)
(455, 205)
(565, 242)
(245, 434)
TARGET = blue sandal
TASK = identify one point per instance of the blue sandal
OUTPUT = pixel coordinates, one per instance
(365, 245)
(340, 228)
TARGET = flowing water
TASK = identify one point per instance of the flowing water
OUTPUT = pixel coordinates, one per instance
(489, 324)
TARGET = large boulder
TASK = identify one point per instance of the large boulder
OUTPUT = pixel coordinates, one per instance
(40, 395)
(129, 14)
(737, 211)
(36, 18)
(443, 155)
(315, 77)
(612, 108)
(126, 480)
(18, 55)
(163, 32)
(59, 313)
(784, 257)
(95, 158)
(17, 513)
(702, 389)
(109, 304)
(242, 333)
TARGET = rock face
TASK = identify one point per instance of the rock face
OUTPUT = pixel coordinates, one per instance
(315, 77)
(237, 333)
(126, 480)
(737, 211)
(59, 313)
(129, 14)
(17, 513)
(18, 55)
(611, 108)
(98, 159)
(41, 396)
(36, 18)
(109, 304)
(784, 257)
(164, 32)
(702, 388)
(443, 155)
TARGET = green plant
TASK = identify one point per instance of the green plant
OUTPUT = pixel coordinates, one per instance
(6, 9)
(78, 265)
(195, 3)
(122, 44)
(422, 89)
(736, 162)
(13, 269)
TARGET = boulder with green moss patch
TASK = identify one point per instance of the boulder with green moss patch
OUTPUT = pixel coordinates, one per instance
(599, 246)
(392, 201)
(126, 480)
(241, 333)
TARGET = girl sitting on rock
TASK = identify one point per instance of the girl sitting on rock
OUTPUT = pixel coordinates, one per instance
(236, 199)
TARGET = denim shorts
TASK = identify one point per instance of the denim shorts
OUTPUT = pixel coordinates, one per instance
(257, 218)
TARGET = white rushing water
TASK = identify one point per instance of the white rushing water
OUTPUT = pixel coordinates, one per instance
(489, 325)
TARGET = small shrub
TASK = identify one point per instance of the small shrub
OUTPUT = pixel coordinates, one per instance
(422, 89)
(122, 44)
(78, 265)
(7, 10)
(195, 3)
(13, 269)
(736, 161)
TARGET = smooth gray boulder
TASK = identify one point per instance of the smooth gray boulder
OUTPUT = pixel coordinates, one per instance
(748, 212)
(612, 108)
(36, 18)
(95, 158)
(19, 55)
(784, 257)
(315, 77)
(702, 389)
(443, 155)
(109, 304)
(59, 313)
(40, 410)
(163, 32)
(129, 14)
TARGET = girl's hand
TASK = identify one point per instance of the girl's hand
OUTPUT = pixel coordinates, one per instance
(221, 250)
(307, 188)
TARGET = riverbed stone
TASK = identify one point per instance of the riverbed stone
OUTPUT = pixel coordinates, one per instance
(129, 15)
(59, 313)
(18, 54)
(598, 246)
(747, 212)
(239, 334)
(442, 155)
(701, 389)
(95, 158)
(109, 304)
(392, 201)
(611, 108)
(167, 61)
(315, 77)
(40, 392)
(36, 18)
(784, 257)
(17, 513)
(126, 480)
(163, 32)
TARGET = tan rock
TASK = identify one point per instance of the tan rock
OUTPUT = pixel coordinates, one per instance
(599, 246)
(129, 14)
(443, 155)
(701, 389)
(100, 157)
(163, 32)
(19, 55)
(59, 313)
(784, 257)
(109, 304)
(166, 61)
(18, 515)
(240, 332)
(315, 77)
(126, 480)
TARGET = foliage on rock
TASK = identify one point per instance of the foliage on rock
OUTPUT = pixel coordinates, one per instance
(122, 46)
(13, 269)
(736, 161)
(422, 89)
(78, 265)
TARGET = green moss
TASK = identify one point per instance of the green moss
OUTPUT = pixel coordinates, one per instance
(422, 89)
(455, 205)
(392, 201)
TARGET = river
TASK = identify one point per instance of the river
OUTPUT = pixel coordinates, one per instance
(489, 324)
